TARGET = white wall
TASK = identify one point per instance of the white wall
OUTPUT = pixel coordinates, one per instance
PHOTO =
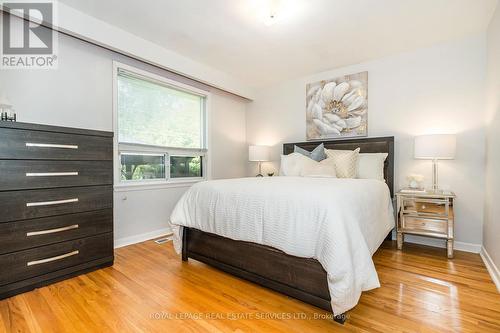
(491, 232)
(79, 94)
(143, 214)
(433, 90)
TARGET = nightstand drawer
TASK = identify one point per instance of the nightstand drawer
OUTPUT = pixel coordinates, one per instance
(426, 207)
(411, 223)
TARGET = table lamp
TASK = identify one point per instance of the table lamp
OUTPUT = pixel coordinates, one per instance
(435, 147)
(258, 154)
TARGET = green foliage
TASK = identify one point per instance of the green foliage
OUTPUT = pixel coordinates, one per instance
(184, 166)
(139, 167)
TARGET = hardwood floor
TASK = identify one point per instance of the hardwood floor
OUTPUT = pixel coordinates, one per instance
(149, 289)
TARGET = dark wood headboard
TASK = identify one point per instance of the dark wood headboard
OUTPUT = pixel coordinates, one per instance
(366, 145)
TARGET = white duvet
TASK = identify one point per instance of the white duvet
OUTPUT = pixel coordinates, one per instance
(339, 222)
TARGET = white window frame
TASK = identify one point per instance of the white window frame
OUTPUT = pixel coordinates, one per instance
(132, 148)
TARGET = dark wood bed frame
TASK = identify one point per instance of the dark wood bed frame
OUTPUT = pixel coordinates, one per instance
(301, 278)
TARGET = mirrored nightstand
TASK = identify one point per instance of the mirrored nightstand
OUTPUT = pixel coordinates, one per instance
(426, 214)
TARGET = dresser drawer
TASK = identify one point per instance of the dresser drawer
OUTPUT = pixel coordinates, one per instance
(29, 263)
(34, 174)
(410, 223)
(30, 204)
(21, 235)
(26, 144)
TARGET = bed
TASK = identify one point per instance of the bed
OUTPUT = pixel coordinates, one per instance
(292, 269)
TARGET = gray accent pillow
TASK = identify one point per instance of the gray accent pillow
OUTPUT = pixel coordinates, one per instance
(318, 153)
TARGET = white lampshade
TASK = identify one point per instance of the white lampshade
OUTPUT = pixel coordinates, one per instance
(258, 153)
(437, 146)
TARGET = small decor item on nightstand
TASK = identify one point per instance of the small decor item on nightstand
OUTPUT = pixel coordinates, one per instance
(415, 182)
(7, 113)
(426, 214)
(258, 154)
(270, 174)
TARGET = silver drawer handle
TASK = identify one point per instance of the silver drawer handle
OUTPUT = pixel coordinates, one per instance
(50, 145)
(50, 174)
(48, 203)
(51, 231)
(43, 261)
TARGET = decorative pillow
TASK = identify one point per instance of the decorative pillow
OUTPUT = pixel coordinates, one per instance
(325, 168)
(297, 164)
(346, 162)
(371, 166)
(318, 153)
(292, 165)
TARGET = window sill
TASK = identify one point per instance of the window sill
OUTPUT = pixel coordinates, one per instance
(142, 186)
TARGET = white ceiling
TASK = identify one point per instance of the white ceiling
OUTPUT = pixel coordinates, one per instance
(309, 36)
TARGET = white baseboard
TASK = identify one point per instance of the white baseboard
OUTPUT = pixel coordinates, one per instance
(492, 268)
(461, 246)
(468, 247)
(142, 237)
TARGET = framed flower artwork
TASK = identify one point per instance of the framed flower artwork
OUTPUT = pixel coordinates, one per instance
(337, 108)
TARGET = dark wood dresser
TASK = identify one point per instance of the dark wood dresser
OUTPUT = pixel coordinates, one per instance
(56, 204)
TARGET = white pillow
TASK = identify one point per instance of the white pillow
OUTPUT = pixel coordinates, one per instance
(297, 164)
(291, 165)
(371, 166)
(346, 162)
(324, 168)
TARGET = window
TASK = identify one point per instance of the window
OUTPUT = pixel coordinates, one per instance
(185, 166)
(161, 127)
(141, 167)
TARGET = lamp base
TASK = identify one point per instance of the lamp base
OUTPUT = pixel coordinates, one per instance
(260, 170)
(435, 187)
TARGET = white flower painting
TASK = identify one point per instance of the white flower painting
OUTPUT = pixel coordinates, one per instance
(337, 108)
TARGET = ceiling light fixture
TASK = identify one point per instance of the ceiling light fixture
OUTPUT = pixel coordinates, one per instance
(271, 12)
(270, 20)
